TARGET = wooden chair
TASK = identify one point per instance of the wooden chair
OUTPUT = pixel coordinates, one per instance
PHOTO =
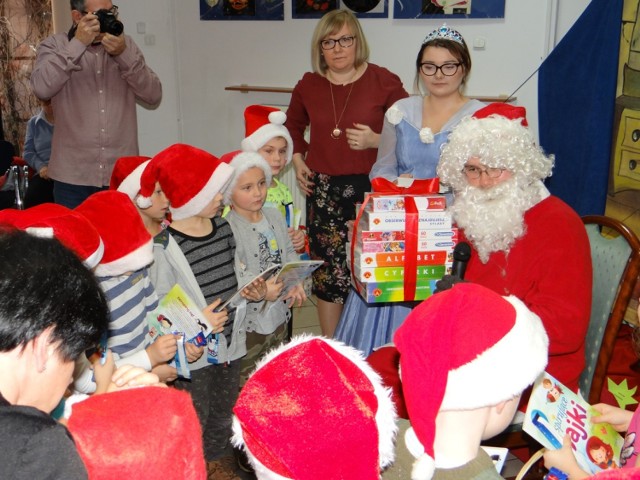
(616, 265)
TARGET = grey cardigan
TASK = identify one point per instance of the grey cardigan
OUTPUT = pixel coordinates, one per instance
(248, 266)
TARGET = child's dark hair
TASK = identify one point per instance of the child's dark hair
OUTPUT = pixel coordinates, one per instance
(43, 285)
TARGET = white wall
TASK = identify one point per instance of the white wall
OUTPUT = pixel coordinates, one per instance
(197, 63)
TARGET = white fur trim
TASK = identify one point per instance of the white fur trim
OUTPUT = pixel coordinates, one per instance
(139, 258)
(131, 184)
(243, 162)
(143, 202)
(94, 259)
(40, 232)
(423, 468)
(515, 361)
(262, 135)
(216, 184)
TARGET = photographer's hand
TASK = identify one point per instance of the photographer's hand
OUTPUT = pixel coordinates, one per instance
(88, 29)
(113, 45)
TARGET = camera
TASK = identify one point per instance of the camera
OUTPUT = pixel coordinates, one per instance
(109, 22)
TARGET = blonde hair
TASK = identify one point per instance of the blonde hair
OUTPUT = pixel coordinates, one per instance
(331, 23)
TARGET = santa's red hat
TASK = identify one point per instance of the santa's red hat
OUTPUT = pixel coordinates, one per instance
(71, 229)
(149, 432)
(189, 176)
(462, 349)
(262, 123)
(128, 246)
(512, 112)
(312, 409)
(126, 175)
(241, 162)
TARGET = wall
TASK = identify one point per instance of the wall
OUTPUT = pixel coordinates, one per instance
(196, 64)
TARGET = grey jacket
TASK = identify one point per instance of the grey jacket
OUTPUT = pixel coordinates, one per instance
(263, 319)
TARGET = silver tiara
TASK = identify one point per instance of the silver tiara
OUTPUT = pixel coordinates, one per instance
(445, 33)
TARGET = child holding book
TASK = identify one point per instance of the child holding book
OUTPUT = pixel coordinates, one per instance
(123, 275)
(266, 134)
(193, 180)
(262, 240)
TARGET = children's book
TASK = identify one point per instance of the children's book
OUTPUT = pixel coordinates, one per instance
(178, 314)
(293, 273)
(555, 411)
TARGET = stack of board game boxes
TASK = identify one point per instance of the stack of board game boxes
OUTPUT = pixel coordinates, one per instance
(377, 255)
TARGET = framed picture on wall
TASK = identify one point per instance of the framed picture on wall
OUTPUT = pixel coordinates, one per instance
(405, 9)
(361, 8)
(241, 9)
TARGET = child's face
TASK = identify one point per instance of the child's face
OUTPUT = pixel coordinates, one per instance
(250, 191)
(213, 208)
(275, 153)
(159, 205)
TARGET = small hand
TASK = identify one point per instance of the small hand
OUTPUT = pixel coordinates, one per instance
(295, 297)
(273, 289)
(44, 173)
(165, 373)
(128, 376)
(163, 349)
(297, 239)
(255, 291)
(216, 319)
(193, 352)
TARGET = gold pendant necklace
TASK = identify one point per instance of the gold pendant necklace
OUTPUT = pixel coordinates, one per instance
(335, 134)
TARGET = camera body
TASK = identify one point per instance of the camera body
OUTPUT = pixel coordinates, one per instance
(109, 23)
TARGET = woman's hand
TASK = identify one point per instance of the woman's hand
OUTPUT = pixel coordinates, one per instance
(362, 137)
(303, 174)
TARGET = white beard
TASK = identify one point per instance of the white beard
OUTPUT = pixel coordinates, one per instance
(493, 218)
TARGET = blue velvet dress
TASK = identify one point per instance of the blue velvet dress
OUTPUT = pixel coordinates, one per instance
(368, 326)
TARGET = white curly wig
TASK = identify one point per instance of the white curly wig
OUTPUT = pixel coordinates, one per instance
(498, 142)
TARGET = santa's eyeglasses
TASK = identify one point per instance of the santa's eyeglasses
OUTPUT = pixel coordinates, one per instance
(474, 173)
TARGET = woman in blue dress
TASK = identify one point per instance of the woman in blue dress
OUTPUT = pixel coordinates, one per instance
(414, 130)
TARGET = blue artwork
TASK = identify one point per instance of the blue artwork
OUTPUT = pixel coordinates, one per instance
(241, 9)
(445, 9)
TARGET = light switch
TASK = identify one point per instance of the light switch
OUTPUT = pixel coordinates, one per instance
(479, 43)
(141, 28)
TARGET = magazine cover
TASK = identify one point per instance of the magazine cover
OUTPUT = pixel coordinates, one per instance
(555, 411)
(293, 273)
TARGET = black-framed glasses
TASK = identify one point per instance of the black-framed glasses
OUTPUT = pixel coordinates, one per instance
(447, 69)
(476, 172)
(113, 11)
(345, 42)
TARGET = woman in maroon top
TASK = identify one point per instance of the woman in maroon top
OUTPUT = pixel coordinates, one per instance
(343, 103)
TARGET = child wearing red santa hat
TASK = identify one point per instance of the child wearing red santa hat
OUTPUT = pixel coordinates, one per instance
(266, 134)
(466, 355)
(193, 180)
(124, 278)
(261, 241)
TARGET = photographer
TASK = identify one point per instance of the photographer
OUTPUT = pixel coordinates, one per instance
(94, 74)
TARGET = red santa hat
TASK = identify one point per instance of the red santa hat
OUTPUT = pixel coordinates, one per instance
(262, 123)
(462, 349)
(189, 176)
(241, 162)
(126, 175)
(71, 229)
(149, 432)
(512, 112)
(128, 246)
(312, 409)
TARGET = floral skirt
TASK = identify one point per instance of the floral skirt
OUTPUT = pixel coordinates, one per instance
(329, 207)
